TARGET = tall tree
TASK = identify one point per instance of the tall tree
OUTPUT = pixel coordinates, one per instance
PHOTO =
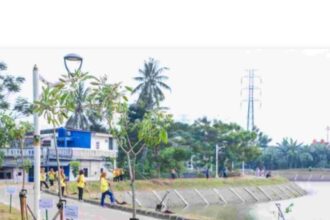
(79, 118)
(111, 102)
(9, 85)
(291, 150)
(151, 82)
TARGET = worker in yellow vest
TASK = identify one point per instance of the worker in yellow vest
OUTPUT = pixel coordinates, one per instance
(105, 188)
(81, 184)
(51, 177)
(115, 174)
(43, 178)
(62, 181)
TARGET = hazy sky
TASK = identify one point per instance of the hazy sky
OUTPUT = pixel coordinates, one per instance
(207, 82)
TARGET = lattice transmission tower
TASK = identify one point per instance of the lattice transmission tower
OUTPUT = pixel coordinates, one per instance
(251, 79)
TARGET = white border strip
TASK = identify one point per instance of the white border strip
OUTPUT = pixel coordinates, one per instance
(181, 197)
(220, 196)
(203, 198)
(263, 191)
(136, 200)
(250, 192)
(231, 189)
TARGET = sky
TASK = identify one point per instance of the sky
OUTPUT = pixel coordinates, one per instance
(208, 82)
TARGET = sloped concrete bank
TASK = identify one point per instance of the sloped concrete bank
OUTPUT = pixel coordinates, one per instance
(313, 176)
(176, 198)
(212, 196)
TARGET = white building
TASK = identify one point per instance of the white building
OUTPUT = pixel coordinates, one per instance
(95, 152)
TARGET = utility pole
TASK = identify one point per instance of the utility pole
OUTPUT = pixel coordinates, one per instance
(216, 161)
(251, 88)
(36, 145)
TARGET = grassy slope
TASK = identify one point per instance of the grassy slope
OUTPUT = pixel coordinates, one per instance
(5, 215)
(164, 184)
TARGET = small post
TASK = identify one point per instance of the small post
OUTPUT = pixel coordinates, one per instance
(46, 214)
(11, 199)
(243, 167)
(216, 161)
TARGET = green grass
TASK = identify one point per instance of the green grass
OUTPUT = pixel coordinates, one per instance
(5, 215)
(164, 184)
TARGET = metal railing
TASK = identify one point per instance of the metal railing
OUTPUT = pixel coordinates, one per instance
(64, 153)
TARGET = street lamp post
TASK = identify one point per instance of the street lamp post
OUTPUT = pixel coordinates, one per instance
(36, 145)
(217, 149)
(216, 161)
(36, 136)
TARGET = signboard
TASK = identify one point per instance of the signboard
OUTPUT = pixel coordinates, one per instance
(46, 203)
(71, 212)
(11, 190)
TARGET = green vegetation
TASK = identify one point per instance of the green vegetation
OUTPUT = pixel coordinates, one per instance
(75, 167)
(5, 215)
(200, 183)
(1, 158)
(290, 154)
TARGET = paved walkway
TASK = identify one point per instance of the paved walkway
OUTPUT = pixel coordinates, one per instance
(86, 211)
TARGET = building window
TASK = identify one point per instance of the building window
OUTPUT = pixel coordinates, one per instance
(97, 145)
(110, 144)
(85, 172)
(46, 143)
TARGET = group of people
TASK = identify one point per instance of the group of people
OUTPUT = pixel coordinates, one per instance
(263, 173)
(50, 177)
(105, 185)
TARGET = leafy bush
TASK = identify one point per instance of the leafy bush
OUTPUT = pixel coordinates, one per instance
(75, 167)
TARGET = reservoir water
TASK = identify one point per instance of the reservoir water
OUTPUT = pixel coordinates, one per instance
(314, 206)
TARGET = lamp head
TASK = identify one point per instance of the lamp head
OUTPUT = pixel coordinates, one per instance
(71, 60)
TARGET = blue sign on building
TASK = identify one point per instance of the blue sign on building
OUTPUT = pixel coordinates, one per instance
(74, 138)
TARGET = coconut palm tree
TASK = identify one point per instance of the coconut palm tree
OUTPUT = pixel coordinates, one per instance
(151, 82)
(79, 119)
(291, 150)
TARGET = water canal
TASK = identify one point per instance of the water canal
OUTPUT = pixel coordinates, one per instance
(313, 206)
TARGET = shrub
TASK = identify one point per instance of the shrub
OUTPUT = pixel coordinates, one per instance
(75, 167)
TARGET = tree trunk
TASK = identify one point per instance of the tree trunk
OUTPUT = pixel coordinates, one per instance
(58, 165)
(23, 170)
(132, 177)
(157, 161)
(22, 195)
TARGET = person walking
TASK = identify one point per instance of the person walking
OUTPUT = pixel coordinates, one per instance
(121, 174)
(43, 179)
(62, 181)
(105, 189)
(207, 173)
(257, 171)
(51, 177)
(81, 184)
(173, 173)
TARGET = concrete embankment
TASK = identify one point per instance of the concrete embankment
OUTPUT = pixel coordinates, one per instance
(221, 196)
(146, 200)
(303, 175)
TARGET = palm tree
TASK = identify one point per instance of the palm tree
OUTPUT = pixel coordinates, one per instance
(79, 119)
(291, 150)
(151, 83)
